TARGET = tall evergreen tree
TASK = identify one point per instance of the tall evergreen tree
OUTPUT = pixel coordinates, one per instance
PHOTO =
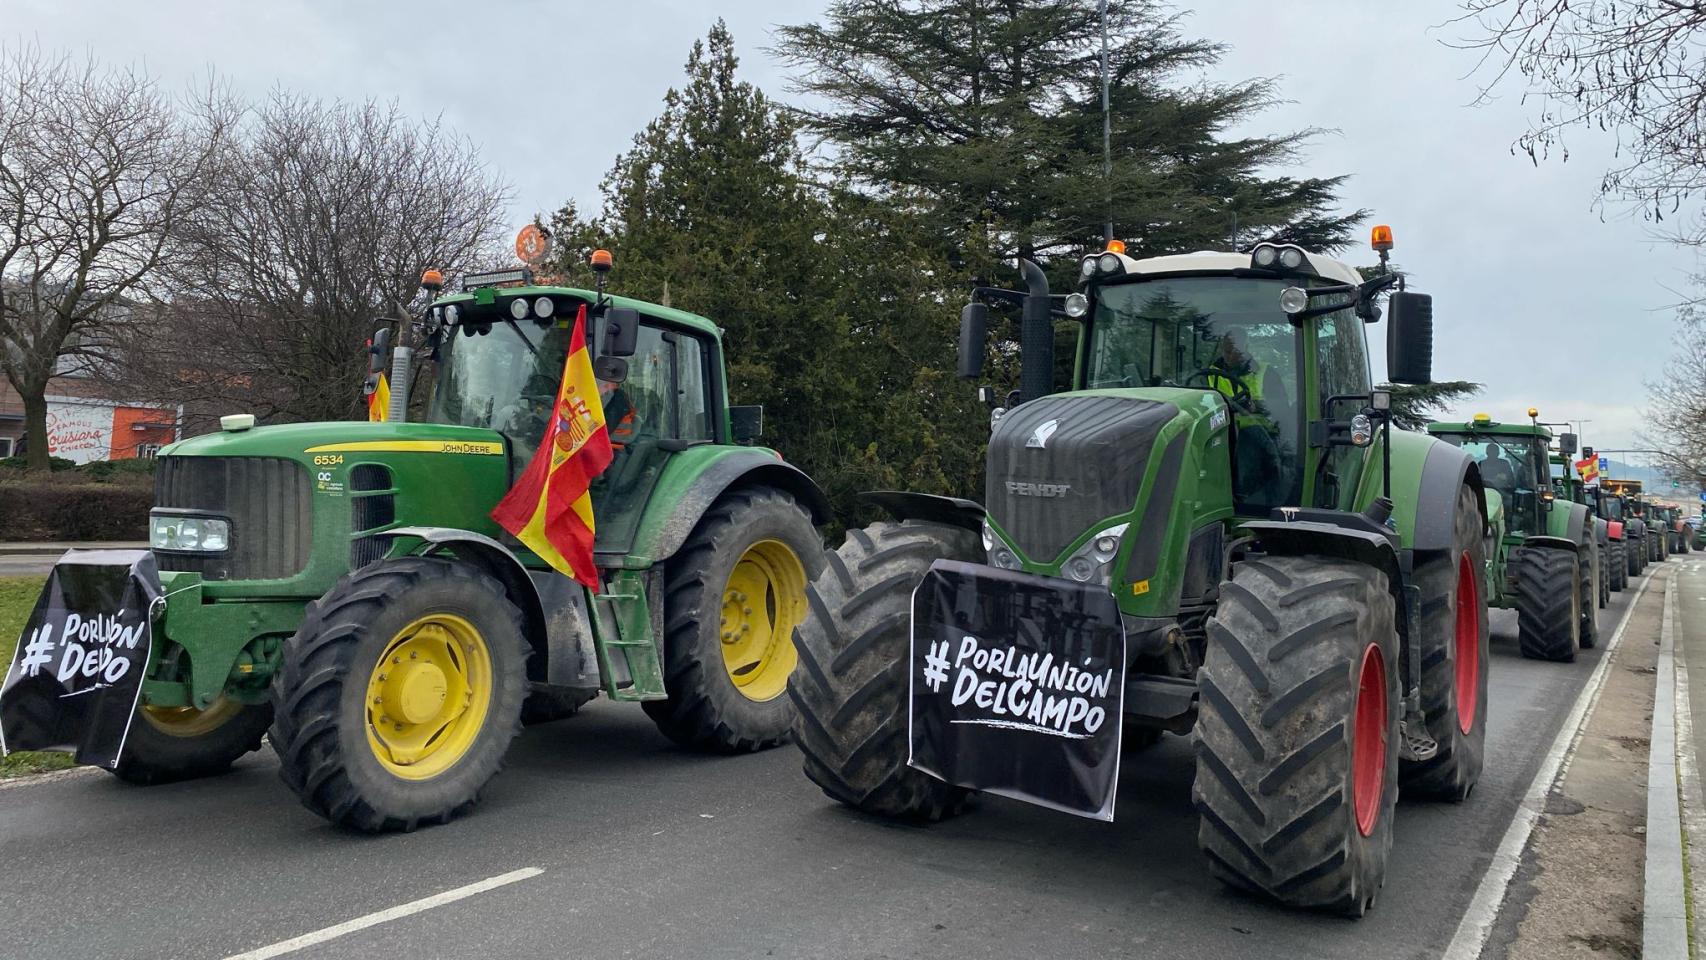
(990, 111)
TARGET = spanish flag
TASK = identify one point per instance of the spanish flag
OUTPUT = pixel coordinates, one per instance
(549, 509)
(1588, 469)
(379, 401)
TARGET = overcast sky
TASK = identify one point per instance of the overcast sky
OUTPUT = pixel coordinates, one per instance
(553, 90)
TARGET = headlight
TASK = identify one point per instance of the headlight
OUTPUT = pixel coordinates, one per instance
(1108, 263)
(1094, 560)
(999, 554)
(1290, 258)
(199, 534)
(1362, 430)
(1077, 305)
(1265, 255)
(518, 308)
(1294, 300)
(452, 314)
(1087, 269)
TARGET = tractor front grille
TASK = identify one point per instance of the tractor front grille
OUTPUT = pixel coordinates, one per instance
(268, 501)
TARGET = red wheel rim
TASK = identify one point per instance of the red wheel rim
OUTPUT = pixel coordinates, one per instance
(1468, 644)
(1368, 753)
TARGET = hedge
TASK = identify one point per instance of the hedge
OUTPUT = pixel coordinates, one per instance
(59, 510)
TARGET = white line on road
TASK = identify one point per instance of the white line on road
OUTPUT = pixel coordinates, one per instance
(385, 916)
(1483, 909)
(1664, 926)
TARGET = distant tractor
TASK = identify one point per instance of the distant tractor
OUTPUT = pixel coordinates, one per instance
(1569, 486)
(343, 585)
(1220, 491)
(1545, 558)
(1641, 532)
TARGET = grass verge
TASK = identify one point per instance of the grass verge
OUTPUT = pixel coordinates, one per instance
(17, 599)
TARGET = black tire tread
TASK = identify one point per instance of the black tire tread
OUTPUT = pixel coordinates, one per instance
(1273, 756)
(1545, 579)
(850, 692)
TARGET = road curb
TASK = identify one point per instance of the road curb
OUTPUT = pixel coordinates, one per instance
(1664, 926)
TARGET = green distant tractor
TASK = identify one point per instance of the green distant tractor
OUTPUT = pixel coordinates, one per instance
(1293, 580)
(1545, 558)
(343, 585)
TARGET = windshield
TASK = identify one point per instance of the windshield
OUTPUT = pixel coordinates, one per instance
(1612, 508)
(504, 380)
(1515, 466)
(1180, 332)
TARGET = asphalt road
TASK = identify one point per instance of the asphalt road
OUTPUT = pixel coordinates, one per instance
(650, 851)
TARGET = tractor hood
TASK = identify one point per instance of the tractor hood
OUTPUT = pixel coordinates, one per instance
(1060, 464)
(300, 441)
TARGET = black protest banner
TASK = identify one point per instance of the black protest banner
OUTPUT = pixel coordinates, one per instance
(77, 673)
(1017, 686)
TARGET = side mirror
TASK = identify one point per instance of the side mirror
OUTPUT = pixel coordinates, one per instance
(378, 350)
(1410, 338)
(610, 369)
(746, 424)
(974, 337)
(1567, 444)
(621, 332)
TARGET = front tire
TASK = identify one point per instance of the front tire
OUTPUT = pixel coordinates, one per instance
(1548, 603)
(167, 744)
(399, 695)
(734, 595)
(1455, 649)
(1297, 750)
(1619, 567)
(851, 689)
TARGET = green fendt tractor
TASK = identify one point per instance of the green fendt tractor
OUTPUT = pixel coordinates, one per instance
(1294, 580)
(1545, 562)
(1567, 485)
(344, 585)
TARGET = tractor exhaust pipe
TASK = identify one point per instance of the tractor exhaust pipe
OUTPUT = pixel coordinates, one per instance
(1036, 336)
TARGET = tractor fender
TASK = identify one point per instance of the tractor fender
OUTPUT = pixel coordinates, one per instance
(1300, 537)
(659, 538)
(1573, 525)
(952, 511)
(1614, 529)
(1553, 543)
(502, 564)
(1601, 531)
(1445, 470)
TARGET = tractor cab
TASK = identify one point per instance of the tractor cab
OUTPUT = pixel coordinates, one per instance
(500, 353)
(1515, 462)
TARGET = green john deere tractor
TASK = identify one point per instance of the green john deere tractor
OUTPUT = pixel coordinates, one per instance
(1292, 579)
(344, 585)
(1544, 561)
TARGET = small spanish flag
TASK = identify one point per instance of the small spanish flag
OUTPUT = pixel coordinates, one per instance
(379, 401)
(549, 508)
(1588, 469)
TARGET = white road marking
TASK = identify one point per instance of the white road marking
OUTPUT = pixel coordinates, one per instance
(1483, 909)
(385, 916)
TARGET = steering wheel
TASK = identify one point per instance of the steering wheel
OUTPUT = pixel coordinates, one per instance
(1241, 396)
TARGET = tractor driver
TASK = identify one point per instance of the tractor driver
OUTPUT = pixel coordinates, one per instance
(1244, 381)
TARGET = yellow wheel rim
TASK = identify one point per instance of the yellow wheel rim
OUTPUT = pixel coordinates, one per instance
(190, 722)
(428, 696)
(764, 600)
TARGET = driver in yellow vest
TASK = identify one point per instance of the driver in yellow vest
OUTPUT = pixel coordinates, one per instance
(1240, 380)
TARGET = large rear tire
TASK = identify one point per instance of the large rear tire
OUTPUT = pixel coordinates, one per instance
(1548, 603)
(1455, 646)
(167, 744)
(1297, 750)
(1603, 553)
(1589, 628)
(399, 695)
(549, 705)
(734, 594)
(850, 690)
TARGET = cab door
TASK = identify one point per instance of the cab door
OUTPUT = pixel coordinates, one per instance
(1340, 359)
(662, 407)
